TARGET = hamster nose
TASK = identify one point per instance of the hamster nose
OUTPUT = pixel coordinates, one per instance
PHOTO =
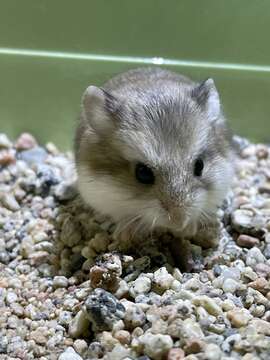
(176, 214)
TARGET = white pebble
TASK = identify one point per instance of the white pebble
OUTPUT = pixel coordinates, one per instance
(65, 318)
(141, 285)
(156, 345)
(254, 257)
(78, 324)
(230, 286)
(80, 346)
(9, 202)
(70, 354)
(213, 352)
(60, 282)
(162, 280)
(11, 297)
(4, 141)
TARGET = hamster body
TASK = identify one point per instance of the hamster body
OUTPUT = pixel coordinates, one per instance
(153, 148)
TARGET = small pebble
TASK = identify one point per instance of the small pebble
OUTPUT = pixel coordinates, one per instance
(60, 282)
(261, 326)
(65, 318)
(104, 309)
(9, 202)
(80, 346)
(25, 142)
(162, 280)
(156, 346)
(209, 304)
(242, 219)
(70, 354)
(141, 285)
(263, 270)
(123, 337)
(239, 317)
(194, 346)
(213, 352)
(33, 156)
(247, 241)
(7, 157)
(39, 335)
(4, 141)
(79, 324)
(11, 297)
(230, 286)
(134, 316)
(254, 257)
(95, 350)
(176, 354)
(260, 284)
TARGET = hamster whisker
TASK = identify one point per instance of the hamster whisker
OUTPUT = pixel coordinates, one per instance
(205, 217)
(125, 223)
(128, 223)
(153, 226)
(140, 223)
(89, 181)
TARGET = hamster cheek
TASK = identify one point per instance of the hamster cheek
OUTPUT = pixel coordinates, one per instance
(221, 182)
(109, 197)
(200, 205)
(100, 195)
(218, 183)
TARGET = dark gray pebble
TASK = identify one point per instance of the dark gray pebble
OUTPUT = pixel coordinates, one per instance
(104, 309)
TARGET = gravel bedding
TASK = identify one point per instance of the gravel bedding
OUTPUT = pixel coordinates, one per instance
(67, 292)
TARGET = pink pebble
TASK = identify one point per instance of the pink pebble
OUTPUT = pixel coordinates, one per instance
(25, 141)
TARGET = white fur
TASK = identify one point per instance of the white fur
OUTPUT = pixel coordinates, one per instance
(108, 197)
(222, 175)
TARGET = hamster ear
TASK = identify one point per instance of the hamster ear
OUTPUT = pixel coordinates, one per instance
(207, 97)
(96, 109)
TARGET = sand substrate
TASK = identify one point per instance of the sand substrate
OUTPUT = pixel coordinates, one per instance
(68, 292)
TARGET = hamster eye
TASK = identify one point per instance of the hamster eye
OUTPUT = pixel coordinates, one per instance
(144, 174)
(198, 167)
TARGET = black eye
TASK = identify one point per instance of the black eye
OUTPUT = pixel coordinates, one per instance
(198, 167)
(144, 174)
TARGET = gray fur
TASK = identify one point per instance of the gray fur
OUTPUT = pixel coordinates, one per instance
(166, 121)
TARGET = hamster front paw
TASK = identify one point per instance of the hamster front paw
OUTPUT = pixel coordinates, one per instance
(207, 236)
(124, 237)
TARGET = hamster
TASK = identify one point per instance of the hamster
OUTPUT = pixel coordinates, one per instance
(153, 150)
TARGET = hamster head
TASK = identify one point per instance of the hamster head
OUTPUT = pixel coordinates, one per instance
(159, 156)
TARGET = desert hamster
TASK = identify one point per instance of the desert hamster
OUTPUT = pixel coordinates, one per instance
(153, 149)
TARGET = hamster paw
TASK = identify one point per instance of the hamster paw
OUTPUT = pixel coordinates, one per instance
(207, 236)
(124, 238)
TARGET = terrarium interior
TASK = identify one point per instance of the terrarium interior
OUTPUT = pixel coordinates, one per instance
(68, 288)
